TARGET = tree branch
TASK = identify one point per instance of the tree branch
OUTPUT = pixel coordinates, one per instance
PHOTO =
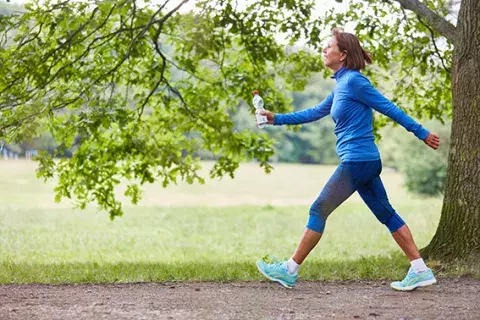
(151, 22)
(72, 35)
(440, 24)
(432, 37)
(155, 87)
(35, 35)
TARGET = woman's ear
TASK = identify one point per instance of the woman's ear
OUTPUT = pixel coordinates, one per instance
(343, 56)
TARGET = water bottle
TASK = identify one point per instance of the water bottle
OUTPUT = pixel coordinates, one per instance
(258, 104)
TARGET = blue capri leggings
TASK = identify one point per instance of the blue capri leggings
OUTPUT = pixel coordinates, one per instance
(349, 177)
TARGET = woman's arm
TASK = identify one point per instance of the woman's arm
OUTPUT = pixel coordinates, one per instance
(306, 115)
(365, 93)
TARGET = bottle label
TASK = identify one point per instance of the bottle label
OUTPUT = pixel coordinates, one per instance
(261, 119)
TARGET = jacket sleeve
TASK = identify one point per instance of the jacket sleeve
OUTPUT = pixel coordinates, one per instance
(307, 115)
(365, 93)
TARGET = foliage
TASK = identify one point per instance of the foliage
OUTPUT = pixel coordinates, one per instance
(140, 90)
(424, 169)
(426, 178)
(425, 172)
(98, 75)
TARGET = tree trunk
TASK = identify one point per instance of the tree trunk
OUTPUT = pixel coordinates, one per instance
(458, 234)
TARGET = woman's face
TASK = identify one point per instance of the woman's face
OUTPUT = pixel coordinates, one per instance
(332, 56)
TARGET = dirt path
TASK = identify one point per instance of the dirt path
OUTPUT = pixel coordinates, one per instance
(450, 299)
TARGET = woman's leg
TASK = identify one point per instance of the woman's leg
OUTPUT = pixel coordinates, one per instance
(338, 189)
(309, 240)
(404, 238)
(375, 196)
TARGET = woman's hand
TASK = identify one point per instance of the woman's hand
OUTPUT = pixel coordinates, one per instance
(432, 140)
(270, 116)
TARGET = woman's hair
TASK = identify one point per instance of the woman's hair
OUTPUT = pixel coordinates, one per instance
(356, 56)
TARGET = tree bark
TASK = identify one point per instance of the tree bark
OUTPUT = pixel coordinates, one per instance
(458, 233)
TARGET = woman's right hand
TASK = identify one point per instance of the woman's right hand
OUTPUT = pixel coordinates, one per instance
(270, 116)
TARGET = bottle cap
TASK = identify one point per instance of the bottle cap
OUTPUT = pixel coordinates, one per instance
(255, 92)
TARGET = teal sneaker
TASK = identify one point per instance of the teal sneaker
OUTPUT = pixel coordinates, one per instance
(414, 280)
(277, 271)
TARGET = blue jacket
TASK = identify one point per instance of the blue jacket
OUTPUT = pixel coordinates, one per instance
(350, 105)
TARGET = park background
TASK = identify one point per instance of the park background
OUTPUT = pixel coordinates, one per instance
(216, 231)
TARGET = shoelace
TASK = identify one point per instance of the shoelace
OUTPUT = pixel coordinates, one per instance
(278, 266)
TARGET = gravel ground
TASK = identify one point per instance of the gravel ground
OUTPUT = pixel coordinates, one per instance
(449, 299)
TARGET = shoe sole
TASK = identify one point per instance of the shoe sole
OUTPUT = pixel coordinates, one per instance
(283, 283)
(418, 285)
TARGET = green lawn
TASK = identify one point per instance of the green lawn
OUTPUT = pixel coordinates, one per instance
(210, 232)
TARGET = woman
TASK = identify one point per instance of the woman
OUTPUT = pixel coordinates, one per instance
(350, 105)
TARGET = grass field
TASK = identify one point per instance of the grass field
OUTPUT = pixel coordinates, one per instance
(214, 231)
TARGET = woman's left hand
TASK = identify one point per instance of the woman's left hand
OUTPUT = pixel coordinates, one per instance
(432, 140)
